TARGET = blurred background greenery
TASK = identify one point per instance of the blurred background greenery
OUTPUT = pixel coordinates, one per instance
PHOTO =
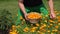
(12, 5)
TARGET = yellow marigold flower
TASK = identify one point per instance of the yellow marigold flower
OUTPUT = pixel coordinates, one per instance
(48, 26)
(41, 27)
(10, 32)
(21, 17)
(43, 30)
(13, 33)
(58, 17)
(56, 27)
(38, 31)
(51, 24)
(22, 23)
(58, 23)
(13, 27)
(57, 13)
(54, 30)
(37, 24)
(32, 30)
(41, 23)
(52, 33)
(14, 30)
(51, 21)
(26, 29)
(44, 25)
(45, 20)
(48, 31)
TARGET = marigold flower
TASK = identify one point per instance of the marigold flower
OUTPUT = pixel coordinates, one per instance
(37, 24)
(59, 20)
(51, 21)
(34, 15)
(54, 30)
(26, 29)
(58, 17)
(33, 29)
(21, 17)
(13, 33)
(56, 27)
(51, 24)
(52, 33)
(48, 31)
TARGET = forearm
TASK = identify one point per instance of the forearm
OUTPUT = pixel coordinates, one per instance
(21, 6)
(50, 2)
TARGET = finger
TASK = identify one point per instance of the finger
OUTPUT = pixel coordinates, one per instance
(50, 16)
(54, 15)
(26, 18)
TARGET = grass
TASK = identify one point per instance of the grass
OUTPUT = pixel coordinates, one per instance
(11, 6)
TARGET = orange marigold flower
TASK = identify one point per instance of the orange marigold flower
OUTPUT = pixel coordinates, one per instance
(56, 26)
(26, 29)
(51, 21)
(37, 24)
(34, 15)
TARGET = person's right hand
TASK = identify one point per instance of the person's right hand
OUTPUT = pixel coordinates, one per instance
(25, 15)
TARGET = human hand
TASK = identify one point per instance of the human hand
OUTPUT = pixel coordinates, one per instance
(25, 15)
(52, 15)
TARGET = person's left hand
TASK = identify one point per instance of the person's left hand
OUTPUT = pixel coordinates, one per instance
(52, 15)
